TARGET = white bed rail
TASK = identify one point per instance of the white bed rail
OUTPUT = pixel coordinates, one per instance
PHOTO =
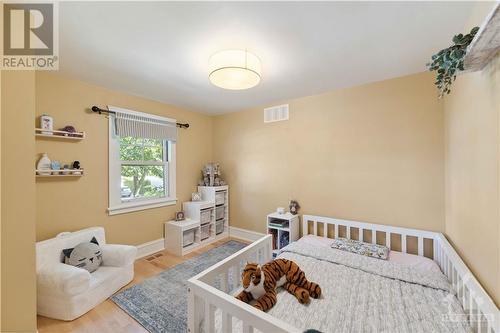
(404, 233)
(213, 288)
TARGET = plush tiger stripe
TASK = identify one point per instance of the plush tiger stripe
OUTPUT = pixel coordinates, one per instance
(260, 283)
(267, 301)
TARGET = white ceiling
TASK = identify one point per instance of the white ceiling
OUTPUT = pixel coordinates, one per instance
(160, 50)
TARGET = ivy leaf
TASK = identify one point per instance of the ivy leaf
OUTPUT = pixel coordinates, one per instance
(447, 62)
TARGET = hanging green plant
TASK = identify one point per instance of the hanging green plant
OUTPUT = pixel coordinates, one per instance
(449, 61)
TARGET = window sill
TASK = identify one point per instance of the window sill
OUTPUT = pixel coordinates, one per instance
(136, 206)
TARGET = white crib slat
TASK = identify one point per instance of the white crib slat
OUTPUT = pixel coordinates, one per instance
(238, 270)
(434, 250)
(209, 318)
(471, 310)
(267, 254)
(388, 240)
(315, 228)
(336, 231)
(223, 282)
(348, 232)
(325, 230)
(420, 246)
(403, 243)
(247, 328)
(227, 322)
(374, 236)
(361, 234)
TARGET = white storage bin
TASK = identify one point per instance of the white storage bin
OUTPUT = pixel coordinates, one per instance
(220, 197)
(188, 237)
(206, 216)
(219, 227)
(219, 212)
(205, 231)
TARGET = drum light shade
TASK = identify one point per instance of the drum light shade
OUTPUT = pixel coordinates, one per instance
(234, 69)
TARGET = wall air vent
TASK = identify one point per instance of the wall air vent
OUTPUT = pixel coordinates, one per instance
(276, 113)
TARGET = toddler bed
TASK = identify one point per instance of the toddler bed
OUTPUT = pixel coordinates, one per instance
(406, 293)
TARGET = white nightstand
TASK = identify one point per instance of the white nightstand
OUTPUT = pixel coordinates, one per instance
(284, 228)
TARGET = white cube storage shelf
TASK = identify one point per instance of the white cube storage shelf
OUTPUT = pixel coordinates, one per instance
(188, 237)
(206, 221)
(181, 237)
(284, 228)
(219, 196)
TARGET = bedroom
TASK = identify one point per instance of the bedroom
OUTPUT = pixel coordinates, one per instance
(363, 136)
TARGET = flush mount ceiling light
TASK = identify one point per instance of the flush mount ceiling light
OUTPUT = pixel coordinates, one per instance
(234, 69)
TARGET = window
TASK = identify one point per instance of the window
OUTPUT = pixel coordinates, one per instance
(141, 169)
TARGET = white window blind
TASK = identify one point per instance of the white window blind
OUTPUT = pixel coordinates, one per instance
(143, 125)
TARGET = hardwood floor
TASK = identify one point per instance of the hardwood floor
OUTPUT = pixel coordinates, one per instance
(107, 316)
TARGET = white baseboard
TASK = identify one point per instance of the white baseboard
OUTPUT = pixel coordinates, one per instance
(158, 245)
(151, 247)
(245, 234)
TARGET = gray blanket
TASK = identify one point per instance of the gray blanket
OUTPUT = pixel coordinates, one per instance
(363, 294)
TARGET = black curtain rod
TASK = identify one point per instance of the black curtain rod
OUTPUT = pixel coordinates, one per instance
(100, 111)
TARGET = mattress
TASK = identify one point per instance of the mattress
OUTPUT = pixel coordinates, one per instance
(363, 294)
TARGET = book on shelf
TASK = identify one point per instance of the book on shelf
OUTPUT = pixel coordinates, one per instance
(284, 239)
(279, 223)
(275, 238)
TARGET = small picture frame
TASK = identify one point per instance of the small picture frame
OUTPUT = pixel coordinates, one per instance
(196, 196)
(179, 216)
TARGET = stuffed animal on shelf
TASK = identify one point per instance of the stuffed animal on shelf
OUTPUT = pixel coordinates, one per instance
(260, 283)
(211, 175)
(294, 207)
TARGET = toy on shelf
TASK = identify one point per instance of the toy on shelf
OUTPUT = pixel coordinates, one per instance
(211, 175)
(294, 207)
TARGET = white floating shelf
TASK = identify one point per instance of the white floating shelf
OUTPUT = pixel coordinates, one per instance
(60, 173)
(486, 43)
(59, 134)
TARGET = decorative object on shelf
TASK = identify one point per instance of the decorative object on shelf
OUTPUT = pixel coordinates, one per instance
(280, 210)
(66, 169)
(294, 207)
(449, 61)
(44, 165)
(56, 167)
(70, 130)
(211, 175)
(179, 216)
(196, 196)
(47, 124)
(76, 168)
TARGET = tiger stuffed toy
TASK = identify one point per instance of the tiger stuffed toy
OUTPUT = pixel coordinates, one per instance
(260, 283)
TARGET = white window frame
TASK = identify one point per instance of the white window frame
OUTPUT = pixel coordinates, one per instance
(116, 206)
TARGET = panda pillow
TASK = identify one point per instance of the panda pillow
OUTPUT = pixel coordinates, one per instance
(85, 255)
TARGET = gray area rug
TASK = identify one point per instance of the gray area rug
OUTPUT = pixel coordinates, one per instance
(159, 303)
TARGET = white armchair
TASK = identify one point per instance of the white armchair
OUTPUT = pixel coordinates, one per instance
(66, 292)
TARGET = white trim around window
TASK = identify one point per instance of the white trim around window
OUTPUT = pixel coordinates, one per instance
(116, 205)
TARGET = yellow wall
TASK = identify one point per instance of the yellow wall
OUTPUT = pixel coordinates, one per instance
(472, 118)
(74, 204)
(370, 153)
(18, 278)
